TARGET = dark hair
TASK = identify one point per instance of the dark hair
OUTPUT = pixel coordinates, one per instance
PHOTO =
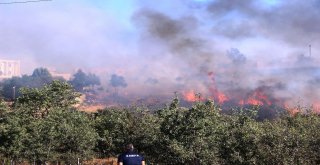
(129, 147)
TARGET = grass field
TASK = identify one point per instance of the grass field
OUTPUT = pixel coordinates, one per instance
(108, 161)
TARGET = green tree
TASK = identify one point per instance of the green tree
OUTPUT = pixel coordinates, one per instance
(117, 127)
(238, 144)
(291, 140)
(55, 95)
(191, 134)
(4, 110)
(114, 128)
(68, 135)
(31, 133)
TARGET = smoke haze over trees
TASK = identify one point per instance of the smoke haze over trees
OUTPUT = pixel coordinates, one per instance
(81, 80)
(118, 81)
(242, 46)
(251, 58)
(43, 126)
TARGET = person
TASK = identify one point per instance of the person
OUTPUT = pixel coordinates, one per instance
(130, 157)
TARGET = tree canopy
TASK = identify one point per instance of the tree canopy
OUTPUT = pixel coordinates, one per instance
(43, 126)
(81, 80)
(11, 87)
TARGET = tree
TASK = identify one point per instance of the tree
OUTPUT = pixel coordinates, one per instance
(4, 110)
(93, 79)
(68, 135)
(41, 76)
(31, 133)
(118, 81)
(190, 134)
(117, 127)
(11, 87)
(238, 144)
(291, 140)
(81, 80)
(55, 95)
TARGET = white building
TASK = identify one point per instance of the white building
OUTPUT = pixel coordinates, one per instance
(9, 68)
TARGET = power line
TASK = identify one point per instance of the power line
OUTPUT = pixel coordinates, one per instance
(31, 1)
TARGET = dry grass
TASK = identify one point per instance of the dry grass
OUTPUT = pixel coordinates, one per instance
(108, 161)
(91, 108)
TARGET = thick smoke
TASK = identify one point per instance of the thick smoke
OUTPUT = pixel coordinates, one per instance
(269, 76)
(295, 22)
(226, 49)
(179, 35)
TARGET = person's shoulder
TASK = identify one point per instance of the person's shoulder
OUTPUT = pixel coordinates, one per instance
(121, 156)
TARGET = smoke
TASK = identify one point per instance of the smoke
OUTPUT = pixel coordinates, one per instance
(295, 22)
(197, 40)
(226, 50)
(178, 35)
(118, 81)
(62, 35)
(152, 81)
(236, 56)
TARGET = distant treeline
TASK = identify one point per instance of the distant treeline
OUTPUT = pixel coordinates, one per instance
(42, 125)
(10, 88)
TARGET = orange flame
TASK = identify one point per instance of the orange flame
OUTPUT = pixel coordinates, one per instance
(222, 97)
(258, 97)
(216, 94)
(291, 110)
(316, 107)
(190, 96)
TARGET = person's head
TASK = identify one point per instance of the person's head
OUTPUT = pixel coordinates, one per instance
(129, 147)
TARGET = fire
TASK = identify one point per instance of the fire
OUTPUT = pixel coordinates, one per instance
(253, 101)
(190, 96)
(216, 94)
(222, 97)
(316, 107)
(257, 97)
(291, 110)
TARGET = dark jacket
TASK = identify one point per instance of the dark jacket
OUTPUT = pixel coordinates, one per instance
(130, 158)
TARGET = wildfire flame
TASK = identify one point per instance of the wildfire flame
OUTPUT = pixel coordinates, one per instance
(190, 96)
(261, 96)
(316, 107)
(216, 94)
(258, 97)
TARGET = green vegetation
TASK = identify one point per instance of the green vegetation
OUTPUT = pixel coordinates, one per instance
(42, 125)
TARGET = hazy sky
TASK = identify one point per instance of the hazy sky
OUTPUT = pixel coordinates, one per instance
(171, 43)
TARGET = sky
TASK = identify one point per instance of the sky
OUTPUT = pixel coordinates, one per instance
(171, 44)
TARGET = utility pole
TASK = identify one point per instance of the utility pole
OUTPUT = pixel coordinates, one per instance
(14, 92)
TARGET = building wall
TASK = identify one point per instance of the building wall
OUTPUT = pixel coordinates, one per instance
(9, 68)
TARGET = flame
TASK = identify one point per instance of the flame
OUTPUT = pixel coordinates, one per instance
(316, 107)
(190, 96)
(291, 110)
(258, 97)
(253, 101)
(216, 94)
(222, 97)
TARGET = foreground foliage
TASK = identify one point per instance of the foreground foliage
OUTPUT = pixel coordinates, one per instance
(43, 126)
